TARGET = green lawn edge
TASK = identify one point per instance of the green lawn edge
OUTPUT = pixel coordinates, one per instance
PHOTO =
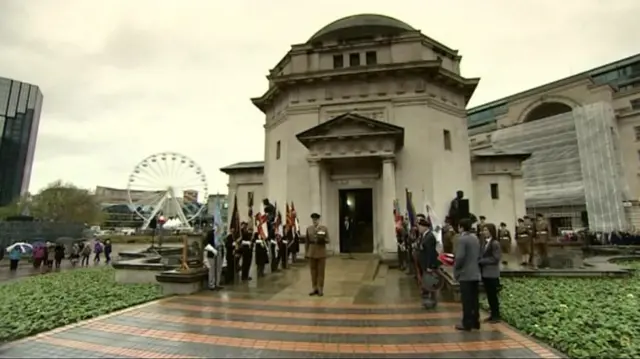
(42, 303)
(579, 317)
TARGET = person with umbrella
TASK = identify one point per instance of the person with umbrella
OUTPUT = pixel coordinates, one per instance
(15, 254)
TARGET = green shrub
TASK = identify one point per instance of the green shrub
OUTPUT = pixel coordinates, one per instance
(584, 318)
(44, 302)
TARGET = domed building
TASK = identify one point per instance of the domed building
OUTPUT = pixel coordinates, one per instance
(366, 108)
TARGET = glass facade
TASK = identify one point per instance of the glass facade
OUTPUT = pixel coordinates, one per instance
(20, 106)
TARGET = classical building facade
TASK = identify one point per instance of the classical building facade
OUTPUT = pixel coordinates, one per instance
(367, 108)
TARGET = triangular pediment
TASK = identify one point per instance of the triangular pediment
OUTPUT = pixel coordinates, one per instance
(350, 125)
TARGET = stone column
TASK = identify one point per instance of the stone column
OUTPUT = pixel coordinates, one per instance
(314, 186)
(389, 246)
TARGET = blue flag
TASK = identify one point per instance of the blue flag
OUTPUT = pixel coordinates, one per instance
(217, 221)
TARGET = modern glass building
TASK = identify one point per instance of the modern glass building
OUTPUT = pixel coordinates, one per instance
(20, 105)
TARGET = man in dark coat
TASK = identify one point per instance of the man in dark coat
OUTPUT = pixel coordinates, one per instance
(429, 263)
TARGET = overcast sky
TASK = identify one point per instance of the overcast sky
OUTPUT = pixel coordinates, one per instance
(123, 79)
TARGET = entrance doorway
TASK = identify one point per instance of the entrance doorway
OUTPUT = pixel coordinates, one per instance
(357, 205)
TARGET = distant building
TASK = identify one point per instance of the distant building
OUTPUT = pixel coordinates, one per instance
(20, 106)
(108, 196)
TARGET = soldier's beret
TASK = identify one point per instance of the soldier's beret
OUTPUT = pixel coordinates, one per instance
(423, 222)
(315, 216)
(539, 215)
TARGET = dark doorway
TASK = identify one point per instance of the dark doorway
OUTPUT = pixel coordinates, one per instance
(357, 204)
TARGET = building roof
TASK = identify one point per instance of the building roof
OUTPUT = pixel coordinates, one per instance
(240, 166)
(564, 81)
(361, 25)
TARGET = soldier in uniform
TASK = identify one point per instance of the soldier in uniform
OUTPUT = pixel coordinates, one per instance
(523, 239)
(246, 253)
(229, 249)
(316, 252)
(401, 243)
(448, 233)
(505, 241)
(262, 254)
(540, 241)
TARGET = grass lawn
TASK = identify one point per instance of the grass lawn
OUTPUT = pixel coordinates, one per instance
(44, 302)
(584, 318)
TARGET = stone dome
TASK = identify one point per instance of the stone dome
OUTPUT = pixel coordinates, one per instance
(361, 26)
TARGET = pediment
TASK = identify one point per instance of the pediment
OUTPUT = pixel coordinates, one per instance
(349, 126)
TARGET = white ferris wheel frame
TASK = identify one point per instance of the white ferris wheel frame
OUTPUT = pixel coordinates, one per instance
(169, 194)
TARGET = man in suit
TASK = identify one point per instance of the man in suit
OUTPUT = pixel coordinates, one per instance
(466, 272)
(316, 252)
(347, 231)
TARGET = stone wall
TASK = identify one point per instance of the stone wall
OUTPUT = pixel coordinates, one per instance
(37, 231)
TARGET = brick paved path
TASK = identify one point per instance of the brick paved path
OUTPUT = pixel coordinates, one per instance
(256, 321)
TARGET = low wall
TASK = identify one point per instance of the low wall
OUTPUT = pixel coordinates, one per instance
(37, 231)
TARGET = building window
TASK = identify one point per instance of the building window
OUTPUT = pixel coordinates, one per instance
(447, 139)
(250, 198)
(494, 191)
(637, 132)
(354, 59)
(635, 104)
(338, 61)
(278, 150)
(372, 57)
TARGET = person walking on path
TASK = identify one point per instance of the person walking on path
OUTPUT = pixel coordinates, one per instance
(466, 272)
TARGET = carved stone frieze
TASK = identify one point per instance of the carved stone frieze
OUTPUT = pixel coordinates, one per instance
(352, 148)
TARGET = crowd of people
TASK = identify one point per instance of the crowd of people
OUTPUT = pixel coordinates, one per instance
(477, 254)
(47, 256)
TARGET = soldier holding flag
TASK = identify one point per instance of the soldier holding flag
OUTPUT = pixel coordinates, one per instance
(294, 233)
(262, 247)
(246, 246)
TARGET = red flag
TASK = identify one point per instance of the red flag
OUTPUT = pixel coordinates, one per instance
(235, 217)
(289, 219)
(294, 215)
(263, 229)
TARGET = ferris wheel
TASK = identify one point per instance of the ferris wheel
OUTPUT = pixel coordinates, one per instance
(167, 184)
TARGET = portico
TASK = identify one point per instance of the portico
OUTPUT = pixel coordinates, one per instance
(352, 151)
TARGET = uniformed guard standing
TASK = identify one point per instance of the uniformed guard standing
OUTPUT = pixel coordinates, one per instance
(316, 252)
(523, 239)
(505, 241)
(540, 241)
(246, 254)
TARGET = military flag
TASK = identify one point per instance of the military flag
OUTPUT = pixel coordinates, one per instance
(294, 215)
(289, 223)
(234, 223)
(218, 226)
(250, 205)
(411, 209)
(398, 219)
